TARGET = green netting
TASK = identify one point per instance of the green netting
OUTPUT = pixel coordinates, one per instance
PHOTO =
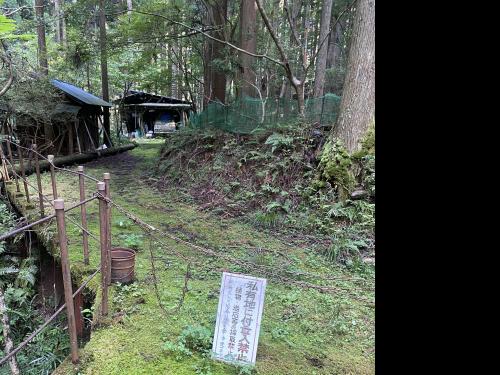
(247, 115)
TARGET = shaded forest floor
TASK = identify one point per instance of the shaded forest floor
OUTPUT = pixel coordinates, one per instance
(304, 330)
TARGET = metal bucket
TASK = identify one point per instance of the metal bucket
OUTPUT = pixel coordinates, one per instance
(122, 265)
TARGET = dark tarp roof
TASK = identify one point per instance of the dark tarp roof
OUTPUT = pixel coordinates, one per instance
(79, 94)
(139, 97)
(162, 105)
(65, 108)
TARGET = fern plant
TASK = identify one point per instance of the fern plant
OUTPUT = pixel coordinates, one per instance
(279, 141)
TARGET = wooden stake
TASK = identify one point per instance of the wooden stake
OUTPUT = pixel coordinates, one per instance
(101, 188)
(39, 182)
(66, 272)
(9, 149)
(83, 210)
(23, 175)
(52, 175)
(106, 177)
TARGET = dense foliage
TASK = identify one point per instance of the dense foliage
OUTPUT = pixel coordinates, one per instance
(160, 46)
(271, 178)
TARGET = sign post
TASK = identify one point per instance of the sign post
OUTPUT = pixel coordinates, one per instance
(239, 315)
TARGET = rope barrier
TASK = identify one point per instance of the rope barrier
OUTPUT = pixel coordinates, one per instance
(268, 270)
(51, 163)
(66, 210)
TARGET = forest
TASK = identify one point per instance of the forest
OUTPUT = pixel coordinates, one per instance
(187, 187)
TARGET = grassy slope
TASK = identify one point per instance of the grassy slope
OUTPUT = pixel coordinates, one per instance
(303, 331)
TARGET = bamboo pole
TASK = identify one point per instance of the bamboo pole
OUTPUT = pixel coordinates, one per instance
(38, 181)
(66, 273)
(9, 149)
(101, 188)
(23, 174)
(50, 158)
(83, 210)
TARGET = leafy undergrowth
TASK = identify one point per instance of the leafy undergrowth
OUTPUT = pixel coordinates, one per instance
(271, 180)
(304, 330)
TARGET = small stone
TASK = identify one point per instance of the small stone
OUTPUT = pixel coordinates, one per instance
(359, 194)
(369, 260)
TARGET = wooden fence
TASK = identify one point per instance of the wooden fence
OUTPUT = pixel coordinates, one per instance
(102, 194)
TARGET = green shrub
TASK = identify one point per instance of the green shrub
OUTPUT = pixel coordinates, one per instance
(191, 339)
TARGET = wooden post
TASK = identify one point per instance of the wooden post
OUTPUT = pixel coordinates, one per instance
(83, 210)
(4, 172)
(38, 181)
(106, 177)
(66, 273)
(23, 175)
(52, 175)
(70, 139)
(77, 137)
(101, 188)
(78, 302)
(30, 156)
(9, 149)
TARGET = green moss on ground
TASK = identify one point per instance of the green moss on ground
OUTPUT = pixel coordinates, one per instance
(303, 331)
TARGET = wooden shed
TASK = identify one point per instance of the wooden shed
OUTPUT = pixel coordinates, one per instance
(77, 118)
(61, 120)
(141, 111)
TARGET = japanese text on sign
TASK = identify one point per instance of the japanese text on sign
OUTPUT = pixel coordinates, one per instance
(238, 318)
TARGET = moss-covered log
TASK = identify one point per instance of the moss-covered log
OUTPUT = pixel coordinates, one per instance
(78, 158)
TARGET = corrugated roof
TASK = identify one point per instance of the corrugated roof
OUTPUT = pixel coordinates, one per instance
(79, 94)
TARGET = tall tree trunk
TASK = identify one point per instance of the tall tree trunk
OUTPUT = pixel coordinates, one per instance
(174, 87)
(40, 30)
(104, 72)
(43, 65)
(248, 42)
(207, 72)
(129, 7)
(14, 368)
(57, 28)
(60, 24)
(63, 26)
(334, 49)
(219, 9)
(357, 108)
(333, 61)
(319, 77)
(296, 83)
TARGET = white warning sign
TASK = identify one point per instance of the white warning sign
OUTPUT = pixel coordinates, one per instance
(239, 315)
